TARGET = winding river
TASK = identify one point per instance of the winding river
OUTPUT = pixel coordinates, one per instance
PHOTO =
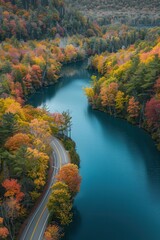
(120, 167)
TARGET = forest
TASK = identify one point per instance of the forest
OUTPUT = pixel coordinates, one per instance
(135, 13)
(27, 63)
(40, 19)
(25, 137)
(39, 37)
(129, 84)
(27, 66)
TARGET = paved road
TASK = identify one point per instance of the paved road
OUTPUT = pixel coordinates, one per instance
(35, 228)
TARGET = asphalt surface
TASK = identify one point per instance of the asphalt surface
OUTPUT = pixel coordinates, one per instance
(36, 226)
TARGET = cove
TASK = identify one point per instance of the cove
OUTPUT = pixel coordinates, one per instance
(120, 167)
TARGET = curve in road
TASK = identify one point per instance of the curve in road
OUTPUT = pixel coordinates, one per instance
(36, 226)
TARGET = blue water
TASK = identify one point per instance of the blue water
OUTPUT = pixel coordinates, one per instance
(120, 168)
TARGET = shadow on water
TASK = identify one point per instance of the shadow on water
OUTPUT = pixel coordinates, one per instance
(129, 169)
(135, 138)
(75, 225)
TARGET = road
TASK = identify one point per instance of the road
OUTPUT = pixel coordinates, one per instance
(35, 228)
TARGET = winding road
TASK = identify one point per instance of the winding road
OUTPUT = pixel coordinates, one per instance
(35, 228)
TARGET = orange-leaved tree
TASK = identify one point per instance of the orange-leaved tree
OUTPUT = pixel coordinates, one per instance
(69, 175)
(52, 232)
(3, 230)
(18, 140)
(11, 207)
(13, 189)
(133, 108)
(108, 93)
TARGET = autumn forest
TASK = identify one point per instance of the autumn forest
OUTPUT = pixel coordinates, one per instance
(37, 39)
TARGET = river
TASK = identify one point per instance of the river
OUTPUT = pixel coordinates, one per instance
(120, 167)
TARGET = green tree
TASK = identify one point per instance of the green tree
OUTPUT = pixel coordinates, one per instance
(60, 204)
(7, 127)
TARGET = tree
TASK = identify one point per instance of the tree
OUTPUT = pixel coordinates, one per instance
(18, 140)
(60, 204)
(11, 207)
(36, 76)
(12, 106)
(108, 94)
(152, 113)
(13, 189)
(37, 166)
(28, 82)
(19, 70)
(7, 126)
(70, 53)
(40, 129)
(70, 146)
(70, 176)
(19, 165)
(157, 87)
(66, 128)
(3, 230)
(58, 119)
(120, 100)
(52, 232)
(133, 108)
(89, 93)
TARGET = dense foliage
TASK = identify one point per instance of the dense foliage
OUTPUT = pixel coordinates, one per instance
(129, 84)
(128, 87)
(26, 133)
(52, 232)
(27, 66)
(70, 146)
(40, 19)
(113, 38)
(63, 192)
(145, 12)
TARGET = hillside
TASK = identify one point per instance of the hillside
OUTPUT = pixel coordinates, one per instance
(126, 11)
(129, 85)
(38, 40)
(26, 20)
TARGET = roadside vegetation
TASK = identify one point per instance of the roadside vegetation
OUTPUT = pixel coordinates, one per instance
(61, 200)
(25, 137)
(37, 38)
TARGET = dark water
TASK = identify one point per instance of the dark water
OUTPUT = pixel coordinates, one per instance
(120, 167)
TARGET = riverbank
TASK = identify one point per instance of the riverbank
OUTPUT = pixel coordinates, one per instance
(119, 166)
(128, 85)
(130, 122)
(25, 158)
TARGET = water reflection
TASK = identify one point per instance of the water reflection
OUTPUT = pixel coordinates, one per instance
(120, 168)
(137, 141)
(75, 225)
(69, 74)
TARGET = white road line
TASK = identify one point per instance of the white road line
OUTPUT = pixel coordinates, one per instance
(34, 215)
(63, 151)
(55, 143)
(60, 149)
(43, 228)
